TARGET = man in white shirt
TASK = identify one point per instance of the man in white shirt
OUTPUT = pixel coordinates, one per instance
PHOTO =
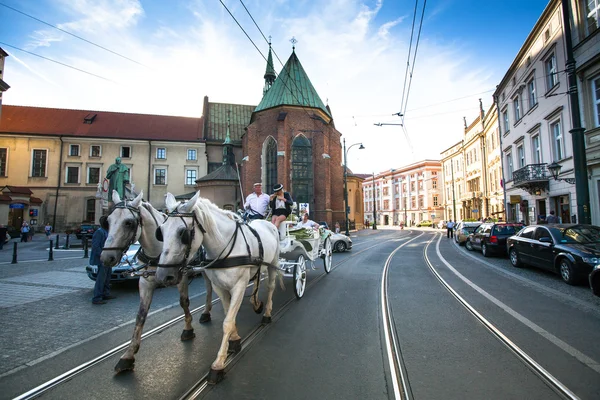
(450, 227)
(307, 223)
(256, 203)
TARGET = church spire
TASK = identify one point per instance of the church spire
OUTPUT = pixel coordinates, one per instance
(228, 156)
(270, 72)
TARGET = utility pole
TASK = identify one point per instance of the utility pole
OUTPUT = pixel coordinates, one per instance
(374, 204)
(453, 193)
(582, 191)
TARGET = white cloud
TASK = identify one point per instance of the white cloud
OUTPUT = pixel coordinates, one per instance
(356, 63)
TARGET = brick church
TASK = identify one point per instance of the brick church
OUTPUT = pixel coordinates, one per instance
(290, 138)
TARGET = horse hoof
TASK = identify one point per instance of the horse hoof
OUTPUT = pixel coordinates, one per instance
(235, 346)
(204, 318)
(125, 364)
(187, 334)
(215, 376)
(259, 310)
(265, 320)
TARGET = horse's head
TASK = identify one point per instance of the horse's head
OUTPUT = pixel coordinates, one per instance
(182, 235)
(123, 227)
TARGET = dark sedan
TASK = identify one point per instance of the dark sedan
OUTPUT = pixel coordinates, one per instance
(490, 237)
(570, 250)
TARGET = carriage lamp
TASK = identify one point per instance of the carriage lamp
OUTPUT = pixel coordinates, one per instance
(554, 169)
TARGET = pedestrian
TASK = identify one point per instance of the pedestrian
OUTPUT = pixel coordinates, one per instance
(552, 219)
(256, 203)
(281, 204)
(24, 231)
(48, 229)
(4, 236)
(337, 227)
(102, 286)
(308, 223)
(450, 229)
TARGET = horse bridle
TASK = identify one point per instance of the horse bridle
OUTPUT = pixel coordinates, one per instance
(138, 223)
(187, 236)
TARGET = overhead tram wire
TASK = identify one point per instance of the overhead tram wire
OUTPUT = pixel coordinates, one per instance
(257, 49)
(72, 34)
(60, 63)
(414, 60)
(412, 31)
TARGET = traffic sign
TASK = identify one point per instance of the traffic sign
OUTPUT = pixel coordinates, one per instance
(475, 210)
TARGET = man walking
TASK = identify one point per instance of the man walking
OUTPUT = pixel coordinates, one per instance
(102, 286)
(552, 219)
(256, 203)
(450, 227)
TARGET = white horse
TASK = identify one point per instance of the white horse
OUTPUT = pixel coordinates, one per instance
(238, 251)
(127, 223)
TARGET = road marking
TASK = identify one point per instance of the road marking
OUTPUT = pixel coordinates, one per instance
(530, 324)
(42, 260)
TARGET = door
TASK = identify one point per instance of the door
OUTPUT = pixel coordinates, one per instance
(524, 244)
(543, 252)
(541, 207)
(15, 218)
(481, 235)
(564, 209)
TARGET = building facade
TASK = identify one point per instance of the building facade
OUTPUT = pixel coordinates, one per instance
(61, 157)
(534, 112)
(408, 195)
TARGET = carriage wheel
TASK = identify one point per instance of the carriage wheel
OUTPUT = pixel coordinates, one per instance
(328, 256)
(300, 276)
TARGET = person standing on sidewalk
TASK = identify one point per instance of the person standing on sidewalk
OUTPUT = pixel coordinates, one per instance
(450, 227)
(48, 229)
(102, 286)
(24, 232)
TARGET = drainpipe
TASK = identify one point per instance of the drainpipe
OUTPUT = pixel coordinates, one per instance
(501, 155)
(58, 185)
(149, 169)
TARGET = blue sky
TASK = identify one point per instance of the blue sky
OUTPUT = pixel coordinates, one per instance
(354, 52)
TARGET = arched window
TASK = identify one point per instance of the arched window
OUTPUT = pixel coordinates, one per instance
(270, 166)
(302, 170)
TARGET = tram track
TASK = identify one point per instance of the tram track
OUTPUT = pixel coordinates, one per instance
(201, 385)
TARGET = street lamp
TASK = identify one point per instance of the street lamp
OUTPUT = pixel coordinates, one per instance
(346, 182)
(554, 169)
(374, 204)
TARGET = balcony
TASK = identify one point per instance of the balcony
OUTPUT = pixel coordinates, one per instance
(532, 178)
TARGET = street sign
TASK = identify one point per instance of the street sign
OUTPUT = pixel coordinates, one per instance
(105, 185)
(34, 212)
(475, 210)
(17, 205)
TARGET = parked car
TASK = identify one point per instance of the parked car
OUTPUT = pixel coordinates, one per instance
(340, 242)
(595, 280)
(463, 230)
(120, 272)
(424, 223)
(570, 250)
(490, 237)
(86, 230)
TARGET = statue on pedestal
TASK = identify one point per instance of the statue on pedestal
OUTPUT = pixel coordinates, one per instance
(118, 176)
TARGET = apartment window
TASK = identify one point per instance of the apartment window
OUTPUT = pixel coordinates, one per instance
(72, 175)
(192, 155)
(413, 202)
(95, 151)
(386, 191)
(38, 165)
(506, 121)
(420, 185)
(125, 151)
(160, 176)
(521, 155)
(397, 202)
(434, 184)
(435, 201)
(592, 12)
(3, 160)
(596, 100)
(421, 202)
(386, 204)
(161, 153)
(74, 150)
(93, 175)
(509, 165)
(531, 92)
(551, 72)
(557, 137)
(90, 210)
(517, 108)
(412, 187)
(190, 177)
(537, 151)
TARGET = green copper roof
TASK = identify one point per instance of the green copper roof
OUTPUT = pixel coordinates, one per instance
(218, 114)
(293, 88)
(270, 72)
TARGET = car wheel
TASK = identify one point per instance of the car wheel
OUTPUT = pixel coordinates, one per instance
(468, 245)
(485, 251)
(567, 273)
(340, 246)
(514, 258)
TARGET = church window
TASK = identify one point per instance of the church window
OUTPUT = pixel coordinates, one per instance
(271, 164)
(302, 170)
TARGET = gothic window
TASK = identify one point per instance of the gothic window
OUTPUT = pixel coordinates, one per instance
(271, 164)
(302, 170)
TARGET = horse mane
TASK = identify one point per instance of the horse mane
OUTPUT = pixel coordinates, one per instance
(205, 209)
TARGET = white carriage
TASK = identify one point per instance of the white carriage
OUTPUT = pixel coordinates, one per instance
(300, 247)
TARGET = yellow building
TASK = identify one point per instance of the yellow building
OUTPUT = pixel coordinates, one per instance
(52, 161)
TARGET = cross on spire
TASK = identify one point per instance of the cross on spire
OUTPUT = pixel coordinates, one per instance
(294, 41)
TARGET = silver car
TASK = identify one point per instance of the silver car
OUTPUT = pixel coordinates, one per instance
(120, 272)
(463, 230)
(340, 242)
